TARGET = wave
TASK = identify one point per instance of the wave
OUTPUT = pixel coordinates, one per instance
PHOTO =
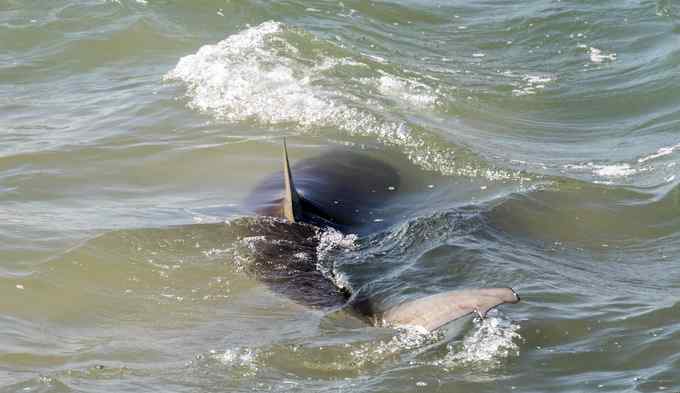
(277, 75)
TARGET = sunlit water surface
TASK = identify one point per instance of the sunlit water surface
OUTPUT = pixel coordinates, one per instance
(538, 142)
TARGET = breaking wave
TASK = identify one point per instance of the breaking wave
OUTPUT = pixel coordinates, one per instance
(273, 74)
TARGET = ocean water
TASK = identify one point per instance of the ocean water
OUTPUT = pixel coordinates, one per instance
(539, 144)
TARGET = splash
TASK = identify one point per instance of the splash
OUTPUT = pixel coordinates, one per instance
(407, 338)
(235, 357)
(243, 360)
(257, 74)
(242, 78)
(273, 74)
(407, 92)
(486, 346)
(331, 241)
(492, 340)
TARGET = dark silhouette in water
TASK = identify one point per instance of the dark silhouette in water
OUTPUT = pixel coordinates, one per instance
(339, 191)
(336, 190)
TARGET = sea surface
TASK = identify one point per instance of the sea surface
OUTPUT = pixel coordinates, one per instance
(539, 143)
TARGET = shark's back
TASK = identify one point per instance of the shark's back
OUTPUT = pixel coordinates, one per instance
(283, 256)
(341, 190)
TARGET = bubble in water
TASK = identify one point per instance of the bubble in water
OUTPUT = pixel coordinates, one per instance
(530, 84)
(596, 56)
(492, 340)
(331, 240)
(407, 338)
(407, 92)
(241, 359)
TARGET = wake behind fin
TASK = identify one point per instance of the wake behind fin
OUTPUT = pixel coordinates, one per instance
(432, 312)
(292, 208)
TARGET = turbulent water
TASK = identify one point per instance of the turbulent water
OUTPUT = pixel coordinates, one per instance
(539, 144)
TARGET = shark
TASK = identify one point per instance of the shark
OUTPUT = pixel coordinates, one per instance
(338, 191)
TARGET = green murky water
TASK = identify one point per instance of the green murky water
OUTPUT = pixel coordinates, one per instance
(539, 144)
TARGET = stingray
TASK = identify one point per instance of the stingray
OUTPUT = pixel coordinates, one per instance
(339, 191)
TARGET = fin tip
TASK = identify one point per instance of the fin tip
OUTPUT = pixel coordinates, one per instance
(291, 200)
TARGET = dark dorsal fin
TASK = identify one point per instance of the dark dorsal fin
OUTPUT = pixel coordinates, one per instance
(292, 210)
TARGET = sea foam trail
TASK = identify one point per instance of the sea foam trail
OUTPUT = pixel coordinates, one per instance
(269, 75)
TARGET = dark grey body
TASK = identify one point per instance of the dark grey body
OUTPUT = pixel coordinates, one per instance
(346, 191)
(285, 259)
(340, 189)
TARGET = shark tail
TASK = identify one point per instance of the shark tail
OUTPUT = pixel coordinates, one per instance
(435, 311)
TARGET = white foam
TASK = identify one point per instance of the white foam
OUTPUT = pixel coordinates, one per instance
(217, 252)
(537, 79)
(407, 338)
(608, 171)
(254, 75)
(264, 74)
(244, 359)
(664, 151)
(596, 56)
(407, 92)
(530, 84)
(245, 76)
(619, 170)
(331, 239)
(492, 340)
(238, 356)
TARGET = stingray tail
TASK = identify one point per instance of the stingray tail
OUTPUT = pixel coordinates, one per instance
(292, 209)
(432, 312)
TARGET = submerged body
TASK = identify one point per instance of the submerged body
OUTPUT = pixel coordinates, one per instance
(342, 191)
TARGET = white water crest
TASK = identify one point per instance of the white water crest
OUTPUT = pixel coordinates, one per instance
(610, 171)
(661, 152)
(330, 241)
(596, 56)
(267, 74)
(249, 75)
(408, 338)
(492, 340)
(242, 360)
